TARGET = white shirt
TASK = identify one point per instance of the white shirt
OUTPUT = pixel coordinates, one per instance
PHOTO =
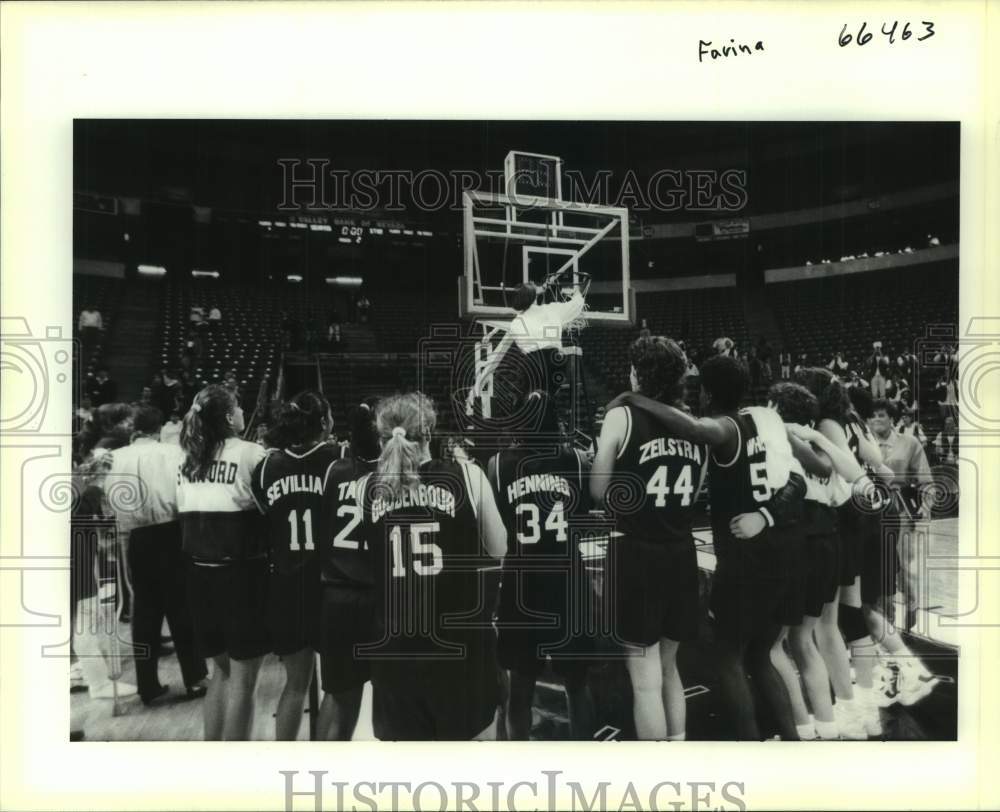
(141, 485)
(540, 326)
(215, 314)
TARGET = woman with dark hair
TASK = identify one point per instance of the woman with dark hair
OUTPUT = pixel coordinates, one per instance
(854, 709)
(431, 526)
(288, 489)
(541, 491)
(223, 535)
(652, 563)
(348, 602)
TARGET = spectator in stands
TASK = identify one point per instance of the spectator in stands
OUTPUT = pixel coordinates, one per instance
(838, 366)
(785, 364)
(754, 367)
(188, 389)
(193, 347)
(364, 306)
(90, 326)
(946, 392)
(171, 431)
(334, 337)
(171, 394)
(910, 482)
(146, 397)
(946, 443)
(644, 331)
(906, 365)
(197, 316)
(215, 320)
(853, 379)
(909, 425)
(878, 365)
(803, 362)
(102, 388)
(84, 414)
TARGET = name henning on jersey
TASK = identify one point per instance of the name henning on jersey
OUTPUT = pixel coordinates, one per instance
(669, 447)
(432, 496)
(536, 483)
(297, 483)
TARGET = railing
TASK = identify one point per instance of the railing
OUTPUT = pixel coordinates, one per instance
(260, 407)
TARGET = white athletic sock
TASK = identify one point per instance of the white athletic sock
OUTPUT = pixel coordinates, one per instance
(677, 737)
(827, 730)
(806, 731)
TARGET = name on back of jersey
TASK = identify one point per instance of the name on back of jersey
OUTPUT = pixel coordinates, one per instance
(756, 445)
(295, 483)
(536, 483)
(431, 496)
(669, 447)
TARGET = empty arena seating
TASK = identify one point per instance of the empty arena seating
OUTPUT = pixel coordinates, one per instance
(847, 313)
(104, 295)
(697, 317)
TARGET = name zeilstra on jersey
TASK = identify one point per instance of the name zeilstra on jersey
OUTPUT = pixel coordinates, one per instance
(669, 447)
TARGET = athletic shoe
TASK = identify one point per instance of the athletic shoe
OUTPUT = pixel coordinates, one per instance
(870, 712)
(886, 679)
(125, 689)
(914, 685)
(850, 720)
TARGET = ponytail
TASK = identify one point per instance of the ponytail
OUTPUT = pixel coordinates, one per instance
(300, 421)
(205, 429)
(405, 424)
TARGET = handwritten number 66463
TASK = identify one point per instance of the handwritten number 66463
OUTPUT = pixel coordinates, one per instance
(864, 36)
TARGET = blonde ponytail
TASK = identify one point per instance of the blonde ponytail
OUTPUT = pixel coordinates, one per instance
(405, 424)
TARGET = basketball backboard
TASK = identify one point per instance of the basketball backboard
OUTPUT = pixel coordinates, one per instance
(515, 238)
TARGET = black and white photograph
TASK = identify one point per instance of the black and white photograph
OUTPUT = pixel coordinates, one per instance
(499, 405)
(540, 430)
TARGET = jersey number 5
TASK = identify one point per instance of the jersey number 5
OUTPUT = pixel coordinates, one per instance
(758, 479)
(417, 547)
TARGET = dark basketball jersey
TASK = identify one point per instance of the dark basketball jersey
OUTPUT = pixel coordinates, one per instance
(657, 500)
(856, 428)
(288, 487)
(428, 564)
(344, 556)
(540, 493)
(740, 485)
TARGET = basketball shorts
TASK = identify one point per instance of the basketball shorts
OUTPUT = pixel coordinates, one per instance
(347, 620)
(228, 608)
(451, 700)
(535, 622)
(822, 571)
(293, 610)
(880, 560)
(851, 543)
(655, 590)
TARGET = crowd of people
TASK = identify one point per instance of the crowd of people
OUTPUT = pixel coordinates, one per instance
(448, 580)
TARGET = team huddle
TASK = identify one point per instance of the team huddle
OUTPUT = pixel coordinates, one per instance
(450, 583)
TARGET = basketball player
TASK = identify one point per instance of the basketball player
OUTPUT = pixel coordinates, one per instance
(227, 580)
(288, 489)
(755, 495)
(348, 594)
(428, 524)
(653, 565)
(539, 488)
(854, 707)
(818, 535)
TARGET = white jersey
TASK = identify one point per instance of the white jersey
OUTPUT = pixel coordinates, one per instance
(218, 514)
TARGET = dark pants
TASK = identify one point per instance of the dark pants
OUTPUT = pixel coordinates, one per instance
(159, 583)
